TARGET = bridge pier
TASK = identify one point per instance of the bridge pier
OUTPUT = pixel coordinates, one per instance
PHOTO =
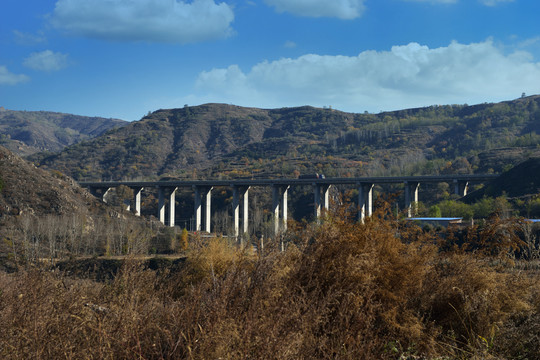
(321, 201)
(172, 207)
(240, 191)
(171, 193)
(284, 215)
(279, 196)
(365, 200)
(137, 199)
(203, 193)
(279, 192)
(460, 187)
(101, 195)
(411, 197)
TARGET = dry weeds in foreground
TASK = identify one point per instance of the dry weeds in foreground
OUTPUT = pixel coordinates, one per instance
(342, 290)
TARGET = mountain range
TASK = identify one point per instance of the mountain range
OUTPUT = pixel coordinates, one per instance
(29, 132)
(228, 141)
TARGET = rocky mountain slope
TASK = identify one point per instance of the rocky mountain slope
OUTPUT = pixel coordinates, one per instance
(227, 141)
(48, 215)
(28, 132)
(26, 189)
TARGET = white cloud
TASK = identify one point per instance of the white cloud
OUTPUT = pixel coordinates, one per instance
(436, 1)
(169, 21)
(494, 2)
(406, 76)
(342, 9)
(485, 2)
(289, 44)
(530, 42)
(8, 78)
(29, 39)
(46, 61)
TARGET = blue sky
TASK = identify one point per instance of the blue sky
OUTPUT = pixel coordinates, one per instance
(124, 58)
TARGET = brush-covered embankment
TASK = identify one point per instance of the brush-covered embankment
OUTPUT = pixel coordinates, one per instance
(340, 290)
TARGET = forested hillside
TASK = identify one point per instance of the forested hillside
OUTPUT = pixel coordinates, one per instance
(28, 132)
(227, 141)
(521, 180)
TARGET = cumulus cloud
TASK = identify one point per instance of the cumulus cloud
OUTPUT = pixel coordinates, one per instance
(342, 9)
(406, 76)
(169, 21)
(46, 61)
(8, 78)
(529, 42)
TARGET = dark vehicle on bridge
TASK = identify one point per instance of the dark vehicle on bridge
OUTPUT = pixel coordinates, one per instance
(311, 176)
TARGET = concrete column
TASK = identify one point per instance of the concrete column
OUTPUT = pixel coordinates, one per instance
(463, 190)
(245, 211)
(325, 196)
(236, 210)
(162, 193)
(104, 194)
(200, 193)
(198, 204)
(368, 191)
(161, 204)
(317, 200)
(279, 199)
(411, 198)
(137, 199)
(284, 207)
(239, 191)
(172, 206)
(99, 194)
(275, 208)
(320, 202)
(461, 187)
(208, 204)
(365, 201)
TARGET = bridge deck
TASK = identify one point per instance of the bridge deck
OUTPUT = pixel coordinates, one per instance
(270, 182)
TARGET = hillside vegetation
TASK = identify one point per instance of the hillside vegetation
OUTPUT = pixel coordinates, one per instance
(227, 141)
(28, 132)
(29, 190)
(48, 215)
(521, 180)
(336, 288)
(340, 290)
(382, 289)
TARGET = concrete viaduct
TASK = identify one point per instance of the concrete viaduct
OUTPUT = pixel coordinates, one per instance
(280, 187)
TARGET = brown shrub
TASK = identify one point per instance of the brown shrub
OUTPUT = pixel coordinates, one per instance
(469, 300)
(341, 290)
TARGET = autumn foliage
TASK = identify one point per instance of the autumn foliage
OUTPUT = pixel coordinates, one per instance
(340, 290)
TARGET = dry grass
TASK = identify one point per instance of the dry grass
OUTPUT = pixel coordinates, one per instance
(342, 290)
